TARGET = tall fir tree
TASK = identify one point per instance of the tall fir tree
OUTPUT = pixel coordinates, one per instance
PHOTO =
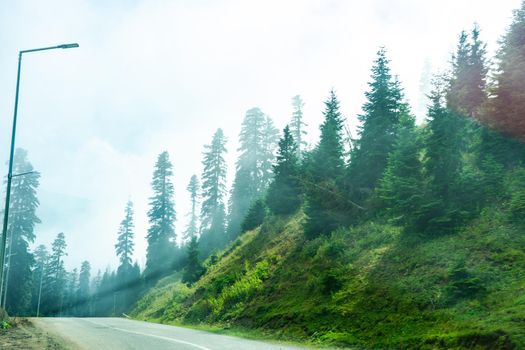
(125, 278)
(477, 75)
(504, 110)
(466, 92)
(284, 193)
(70, 294)
(107, 295)
(83, 291)
(456, 96)
(193, 270)
(192, 229)
(125, 244)
(269, 145)
(506, 106)
(378, 130)
(21, 226)
(161, 233)
(297, 125)
(442, 164)
(401, 189)
(258, 140)
(324, 174)
(41, 255)
(94, 288)
(213, 215)
(55, 278)
(255, 215)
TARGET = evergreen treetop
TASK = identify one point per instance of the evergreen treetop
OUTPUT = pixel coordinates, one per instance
(162, 216)
(125, 245)
(213, 178)
(284, 192)
(297, 124)
(378, 129)
(192, 227)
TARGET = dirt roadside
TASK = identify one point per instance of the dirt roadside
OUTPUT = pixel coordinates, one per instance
(25, 336)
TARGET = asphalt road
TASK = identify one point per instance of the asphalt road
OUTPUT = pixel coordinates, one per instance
(118, 333)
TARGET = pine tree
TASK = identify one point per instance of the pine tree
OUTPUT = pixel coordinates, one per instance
(125, 277)
(458, 84)
(402, 187)
(83, 291)
(213, 216)
(269, 142)
(506, 106)
(107, 295)
(55, 277)
(70, 297)
(192, 227)
(477, 77)
(133, 288)
(242, 195)
(443, 165)
(162, 216)
(22, 221)
(41, 256)
(125, 245)
(193, 270)
(466, 91)
(284, 193)
(378, 130)
(297, 125)
(255, 216)
(95, 299)
(258, 140)
(324, 171)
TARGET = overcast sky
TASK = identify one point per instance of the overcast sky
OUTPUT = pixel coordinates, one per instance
(164, 75)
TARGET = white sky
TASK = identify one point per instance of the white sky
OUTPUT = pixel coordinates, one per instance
(163, 75)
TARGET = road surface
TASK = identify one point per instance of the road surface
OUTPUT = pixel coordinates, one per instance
(119, 333)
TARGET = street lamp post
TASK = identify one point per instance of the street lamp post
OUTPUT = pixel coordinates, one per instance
(11, 154)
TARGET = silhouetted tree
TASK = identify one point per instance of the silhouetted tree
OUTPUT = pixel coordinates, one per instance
(258, 140)
(324, 172)
(192, 227)
(83, 291)
(213, 216)
(297, 125)
(255, 216)
(162, 216)
(284, 193)
(193, 270)
(20, 230)
(378, 130)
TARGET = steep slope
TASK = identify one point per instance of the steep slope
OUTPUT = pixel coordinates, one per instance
(371, 286)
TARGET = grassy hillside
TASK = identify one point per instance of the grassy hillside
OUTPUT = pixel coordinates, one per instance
(371, 286)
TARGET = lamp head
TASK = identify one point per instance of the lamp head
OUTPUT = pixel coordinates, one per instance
(67, 46)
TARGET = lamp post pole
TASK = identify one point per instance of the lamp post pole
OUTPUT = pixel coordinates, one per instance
(11, 155)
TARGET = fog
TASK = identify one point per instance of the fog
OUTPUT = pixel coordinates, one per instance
(164, 75)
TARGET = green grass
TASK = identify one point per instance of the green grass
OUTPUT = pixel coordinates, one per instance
(371, 286)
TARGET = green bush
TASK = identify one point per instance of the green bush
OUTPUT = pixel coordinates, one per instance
(463, 284)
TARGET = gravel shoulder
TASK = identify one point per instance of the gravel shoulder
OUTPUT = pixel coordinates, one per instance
(24, 335)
